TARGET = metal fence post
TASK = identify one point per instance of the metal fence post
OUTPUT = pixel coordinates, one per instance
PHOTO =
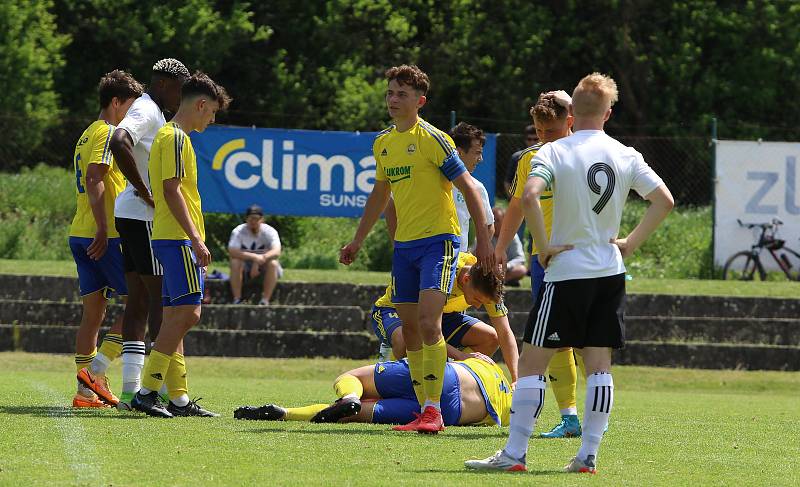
(452, 118)
(713, 146)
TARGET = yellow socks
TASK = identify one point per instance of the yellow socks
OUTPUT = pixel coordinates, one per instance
(304, 413)
(177, 385)
(111, 346)
(82, 361)
(434, 359)
(155, 370)
(415, 368)
(563, 378)
(579, 361)
(348, 385)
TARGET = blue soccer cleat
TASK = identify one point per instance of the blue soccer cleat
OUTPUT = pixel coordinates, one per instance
(569, 427)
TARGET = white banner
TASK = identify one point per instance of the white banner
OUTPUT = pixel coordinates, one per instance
(756, 182)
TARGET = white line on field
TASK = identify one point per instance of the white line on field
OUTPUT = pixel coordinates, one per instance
(78, 449)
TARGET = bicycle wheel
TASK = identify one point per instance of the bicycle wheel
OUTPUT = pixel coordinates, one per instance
(742, 266)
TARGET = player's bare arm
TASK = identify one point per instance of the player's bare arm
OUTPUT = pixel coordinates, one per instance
(483, 246)
(121, 146)
(376, 203)
(95, 189)
(511, 222)
(508, 344)
(178, 208)
(532, 208)
(661, 203)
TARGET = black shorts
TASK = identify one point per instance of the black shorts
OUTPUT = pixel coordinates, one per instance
(579, 313)
(136, 247)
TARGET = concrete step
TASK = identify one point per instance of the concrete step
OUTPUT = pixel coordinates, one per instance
(362, 346)
(340, 294)
(709, 356)
(765, 331)
(231, 343)
(240, 317)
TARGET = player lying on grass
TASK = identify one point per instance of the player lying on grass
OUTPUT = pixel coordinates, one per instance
(475, 392)
(462, 333)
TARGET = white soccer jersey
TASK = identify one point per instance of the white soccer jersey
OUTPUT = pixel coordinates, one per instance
(260, 243)
(591, 174)
(142, 122)
(463, 212)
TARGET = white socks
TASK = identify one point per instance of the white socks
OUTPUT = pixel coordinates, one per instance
(181, 401)
(526, 404)
(599, 401)
(132, 365)
(436, 405)
(99, 364)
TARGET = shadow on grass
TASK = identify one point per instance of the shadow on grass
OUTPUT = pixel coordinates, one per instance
(465, 471)
(371, 431)
(67, 412)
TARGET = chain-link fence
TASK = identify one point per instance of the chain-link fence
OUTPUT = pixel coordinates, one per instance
(685, 163)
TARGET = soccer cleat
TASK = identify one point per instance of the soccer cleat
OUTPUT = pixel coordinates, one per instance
(498, 461)
(191, 409)
(569, 427)
(268, 412)
(431, 421)
(81, 401)
(150, 404)
(581, 466)
(342, 408)
(124, 403)
(412, 426)
(99, 385)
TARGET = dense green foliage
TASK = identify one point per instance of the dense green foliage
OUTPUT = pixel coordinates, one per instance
(46, 442)
(37, 206)
(319, 65)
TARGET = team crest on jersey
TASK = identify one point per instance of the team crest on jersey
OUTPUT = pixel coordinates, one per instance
(384, 153)
(411, 148)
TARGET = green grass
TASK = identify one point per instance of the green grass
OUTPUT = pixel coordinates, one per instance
(771, 289)
(669, 427)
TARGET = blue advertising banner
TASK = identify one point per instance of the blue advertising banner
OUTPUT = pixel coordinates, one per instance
(295, 172)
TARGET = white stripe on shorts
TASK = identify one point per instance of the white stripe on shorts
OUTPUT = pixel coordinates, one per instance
(157, 269)
(543, 315)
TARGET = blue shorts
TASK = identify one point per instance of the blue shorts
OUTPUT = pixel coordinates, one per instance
(428, 263)
(106, 274)
(454, 325)
(183, 281)
(537, 276)
(398, 402)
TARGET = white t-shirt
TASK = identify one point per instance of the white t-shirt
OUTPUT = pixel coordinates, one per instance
(262, 242)
(463, 212)
(591, 174)
(142, 122)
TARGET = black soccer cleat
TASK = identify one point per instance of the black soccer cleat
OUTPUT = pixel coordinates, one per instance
(268, 412)
(191, 409)
(150, 404)
(342, 408)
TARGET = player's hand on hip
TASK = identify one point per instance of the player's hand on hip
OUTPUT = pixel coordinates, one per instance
(201, 253)
(485, 255)
(148, 198)
(547, 254)
(624, 247)
(347, 254)
(99, 245)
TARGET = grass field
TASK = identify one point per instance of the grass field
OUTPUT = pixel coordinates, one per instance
(774, 289)
(669, 427)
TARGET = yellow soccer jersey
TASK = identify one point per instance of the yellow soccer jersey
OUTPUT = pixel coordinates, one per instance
(172, 156)
(456, 303)
(496, 390)
(93, 148)
(518, 186)
(419, 165)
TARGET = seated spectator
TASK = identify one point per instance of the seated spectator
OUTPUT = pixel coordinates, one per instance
(515, 263)
(254, 248)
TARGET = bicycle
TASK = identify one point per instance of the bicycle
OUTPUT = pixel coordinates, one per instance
(746, 265)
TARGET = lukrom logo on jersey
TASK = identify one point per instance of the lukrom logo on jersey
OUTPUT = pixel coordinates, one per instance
(241, 169)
